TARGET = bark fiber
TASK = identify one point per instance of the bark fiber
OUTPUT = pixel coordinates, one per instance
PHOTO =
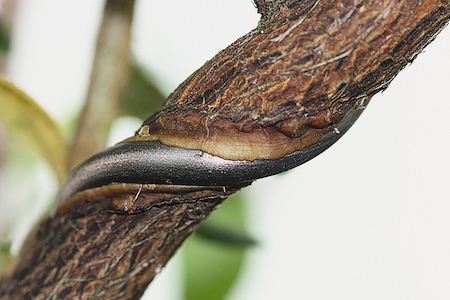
(279, 88)
(100, 248)
(273, 91)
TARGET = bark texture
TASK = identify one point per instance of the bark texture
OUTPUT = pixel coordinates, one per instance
(109, 244)
(282, 86)
(279, 87)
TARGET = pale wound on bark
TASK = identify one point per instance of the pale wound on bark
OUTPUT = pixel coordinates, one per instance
(282, 86)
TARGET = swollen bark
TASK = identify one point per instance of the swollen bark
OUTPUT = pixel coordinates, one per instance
(278, 89)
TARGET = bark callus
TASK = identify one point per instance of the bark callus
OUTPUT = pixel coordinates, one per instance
(289, 82)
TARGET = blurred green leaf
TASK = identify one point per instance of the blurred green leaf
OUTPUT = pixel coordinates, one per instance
(28, 124)
(210, 267)
(4, 37)
(5, 257)
(141, 98)
(224, 235)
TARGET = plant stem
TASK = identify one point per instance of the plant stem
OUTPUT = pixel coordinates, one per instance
(108, 80)
(109, 242)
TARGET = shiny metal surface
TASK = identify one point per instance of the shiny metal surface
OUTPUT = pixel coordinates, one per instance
(153, 162)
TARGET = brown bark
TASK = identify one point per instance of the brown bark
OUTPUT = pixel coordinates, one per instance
(290, 80)
(279, 88)
(97, 249)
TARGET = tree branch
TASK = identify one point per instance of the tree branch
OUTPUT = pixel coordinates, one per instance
(300, 72)
(95, 249)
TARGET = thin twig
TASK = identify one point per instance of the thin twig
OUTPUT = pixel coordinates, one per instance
(108, 79)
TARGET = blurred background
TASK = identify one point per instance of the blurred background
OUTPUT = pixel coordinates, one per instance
(368, 219)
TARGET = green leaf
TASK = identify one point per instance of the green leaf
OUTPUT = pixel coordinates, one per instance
(224, 235)
(141, 98)
(4, 37)
(5, 257)
(211, 268)
(28, 124)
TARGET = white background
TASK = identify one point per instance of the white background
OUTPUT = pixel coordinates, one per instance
(368, 219)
